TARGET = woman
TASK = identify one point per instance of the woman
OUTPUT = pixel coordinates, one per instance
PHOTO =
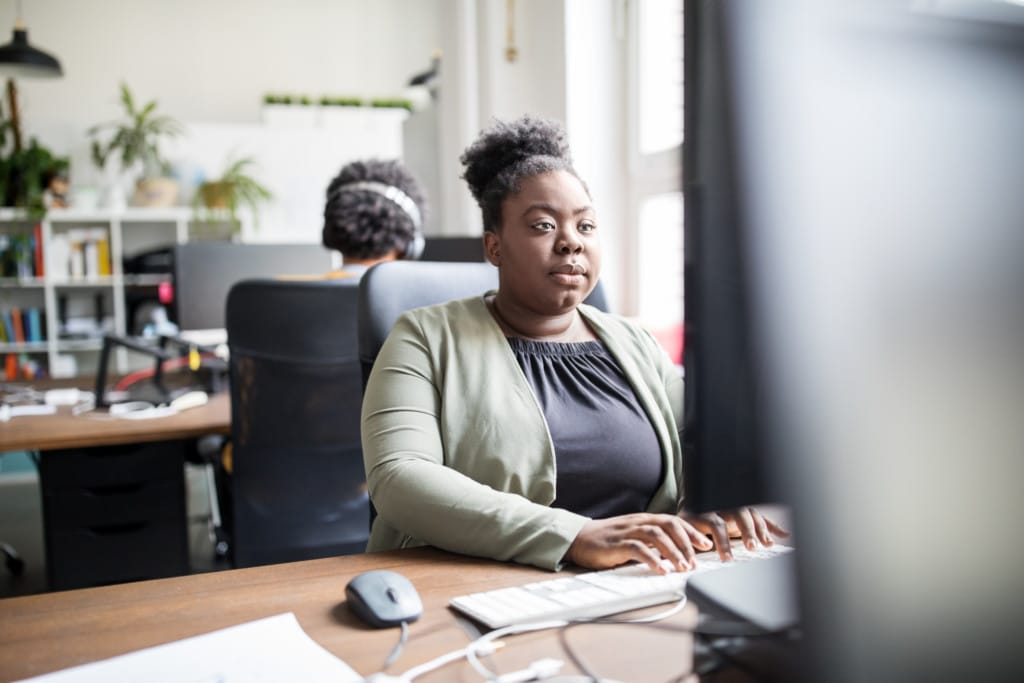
(523, 424)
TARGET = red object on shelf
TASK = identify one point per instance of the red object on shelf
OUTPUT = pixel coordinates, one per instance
(165, 292)
(37, 233)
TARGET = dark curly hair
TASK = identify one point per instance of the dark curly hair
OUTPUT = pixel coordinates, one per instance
(506, 153)
(362, 224)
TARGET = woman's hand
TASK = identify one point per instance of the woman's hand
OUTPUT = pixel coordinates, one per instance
(745, 523)
(647, 538)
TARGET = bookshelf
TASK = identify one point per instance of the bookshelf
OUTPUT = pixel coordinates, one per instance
(81, 291)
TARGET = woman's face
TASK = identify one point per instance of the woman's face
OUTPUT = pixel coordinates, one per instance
(547, 250)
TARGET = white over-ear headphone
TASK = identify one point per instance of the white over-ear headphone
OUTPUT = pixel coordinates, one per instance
(414, 248)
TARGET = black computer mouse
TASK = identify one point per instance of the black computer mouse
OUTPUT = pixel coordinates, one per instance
(383, 598)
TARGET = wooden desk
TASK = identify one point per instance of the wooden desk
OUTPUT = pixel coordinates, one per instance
(114, 490)
(64, 430)
(44, 633)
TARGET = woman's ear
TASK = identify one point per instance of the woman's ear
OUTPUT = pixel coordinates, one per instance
(492, 247)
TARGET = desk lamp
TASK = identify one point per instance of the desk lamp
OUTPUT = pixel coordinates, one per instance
(18, 59)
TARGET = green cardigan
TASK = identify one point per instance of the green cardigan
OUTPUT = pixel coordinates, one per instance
(456, 447)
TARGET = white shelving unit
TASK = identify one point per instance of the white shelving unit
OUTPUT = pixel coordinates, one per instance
(127, 232)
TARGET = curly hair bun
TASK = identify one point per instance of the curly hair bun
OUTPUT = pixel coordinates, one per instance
(506, 144)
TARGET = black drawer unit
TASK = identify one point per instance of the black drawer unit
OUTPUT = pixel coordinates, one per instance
(114, 514)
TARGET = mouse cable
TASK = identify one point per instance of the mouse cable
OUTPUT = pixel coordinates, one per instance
(397, 650)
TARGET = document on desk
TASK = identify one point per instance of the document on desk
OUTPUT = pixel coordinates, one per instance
(266, 650)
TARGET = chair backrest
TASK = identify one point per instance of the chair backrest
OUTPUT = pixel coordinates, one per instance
(389, 289)
(298, 484)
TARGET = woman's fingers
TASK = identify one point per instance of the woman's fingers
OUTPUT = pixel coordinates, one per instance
(678, 533)
(650, 538)
(719, 530)
(745, 524)
(699, 539)
(761, 528)
(643, 552)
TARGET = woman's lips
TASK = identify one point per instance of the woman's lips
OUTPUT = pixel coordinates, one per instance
(569, 274)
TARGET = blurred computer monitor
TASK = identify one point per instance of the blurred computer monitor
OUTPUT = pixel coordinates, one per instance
(853, 197)
(205, 271)
(461, 249)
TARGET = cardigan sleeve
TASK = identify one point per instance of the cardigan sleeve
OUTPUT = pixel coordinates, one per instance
(413, 489)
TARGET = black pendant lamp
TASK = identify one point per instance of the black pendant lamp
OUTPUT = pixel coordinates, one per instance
(18, 59)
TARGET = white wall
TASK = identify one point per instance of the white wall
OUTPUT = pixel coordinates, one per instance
(211, 62)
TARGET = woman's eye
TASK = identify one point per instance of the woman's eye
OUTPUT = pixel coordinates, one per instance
(587, 227)
(544, 225)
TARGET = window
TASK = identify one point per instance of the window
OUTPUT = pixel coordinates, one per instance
(656, 206)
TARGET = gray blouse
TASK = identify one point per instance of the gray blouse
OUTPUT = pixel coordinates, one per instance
(606, 451)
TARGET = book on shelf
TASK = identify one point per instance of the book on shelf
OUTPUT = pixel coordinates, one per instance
(19, 366)
(33, 325)
(17, 325)
(8, 323)
(81, 253)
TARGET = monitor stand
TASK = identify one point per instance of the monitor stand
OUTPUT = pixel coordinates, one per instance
(749, 617)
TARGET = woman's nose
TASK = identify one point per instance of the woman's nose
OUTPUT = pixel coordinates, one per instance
(569, 242)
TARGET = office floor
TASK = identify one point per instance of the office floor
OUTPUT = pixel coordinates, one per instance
(21, 526)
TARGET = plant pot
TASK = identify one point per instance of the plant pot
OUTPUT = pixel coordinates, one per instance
(212, 229)
(156, 192)
(216, 195)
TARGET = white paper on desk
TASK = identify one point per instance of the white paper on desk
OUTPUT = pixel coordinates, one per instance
(272, 649)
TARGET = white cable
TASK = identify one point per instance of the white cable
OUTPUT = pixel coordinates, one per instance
(472, 651)
(537, 671)
(485, 646)
(438, 662)
(675, 609)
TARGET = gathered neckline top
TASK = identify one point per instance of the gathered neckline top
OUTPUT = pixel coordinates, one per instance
(607, 456)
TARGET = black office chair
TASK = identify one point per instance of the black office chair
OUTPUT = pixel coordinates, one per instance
(297, 484)
(389, 289)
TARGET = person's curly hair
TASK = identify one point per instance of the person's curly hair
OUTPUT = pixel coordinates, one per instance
(362, 224)
(506, 153)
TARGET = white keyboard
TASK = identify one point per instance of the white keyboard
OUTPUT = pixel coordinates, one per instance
(594, 594)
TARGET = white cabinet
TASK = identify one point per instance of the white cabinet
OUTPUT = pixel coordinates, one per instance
(82, 291)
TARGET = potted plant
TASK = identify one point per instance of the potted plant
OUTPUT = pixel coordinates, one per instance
(235, 188)
(135, 141)
(25, 174)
